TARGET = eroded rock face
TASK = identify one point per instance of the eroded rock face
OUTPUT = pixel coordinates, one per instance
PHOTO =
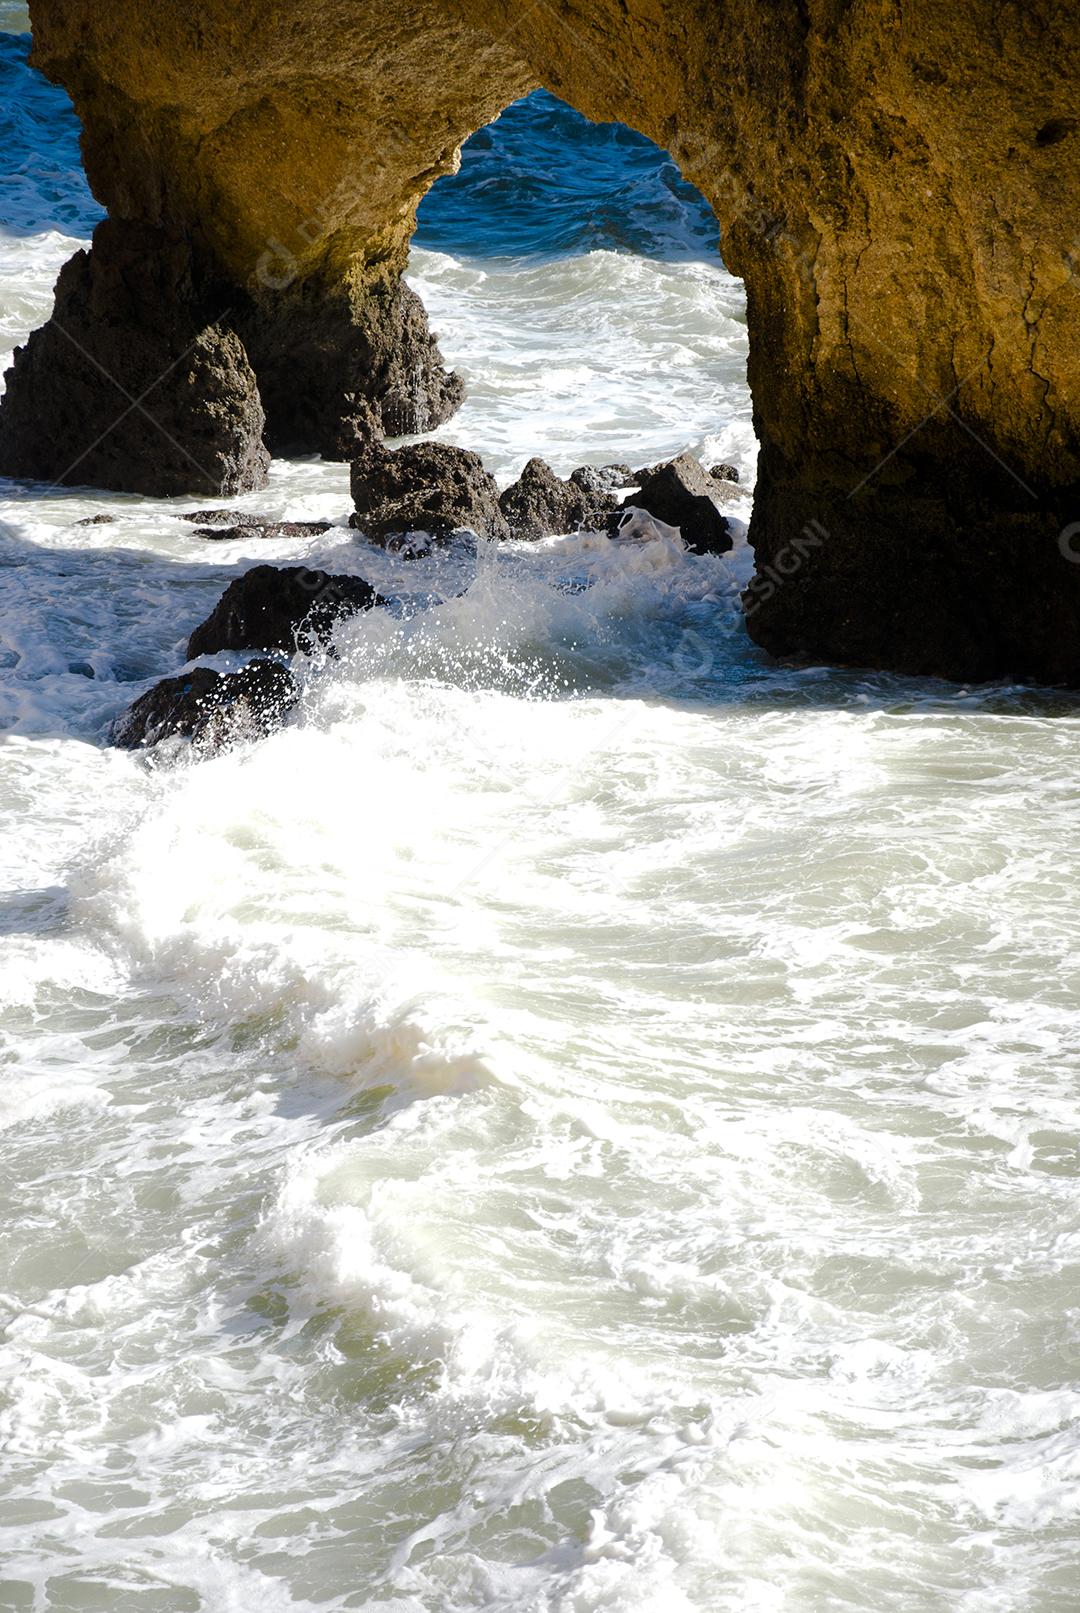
(280, 608)
(897, 184)
(429, 487)
(209, 707)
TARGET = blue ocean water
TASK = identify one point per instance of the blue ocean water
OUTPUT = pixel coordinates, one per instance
(544, 181)
(42, 184)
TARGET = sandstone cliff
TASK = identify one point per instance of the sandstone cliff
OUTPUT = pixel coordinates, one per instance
(897, 181)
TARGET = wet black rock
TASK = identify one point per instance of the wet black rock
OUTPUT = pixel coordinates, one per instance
(724, 473)
(210, 707)
(280, 608)
(240, 524)
(425, 487)
(680, 495)
(96, 520)
(596, 480)
(271, 529)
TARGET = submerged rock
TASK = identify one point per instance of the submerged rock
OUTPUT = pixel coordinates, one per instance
(96, 520)
(224, 518)
(280, 608)
(680, 494)
(271, 529)
(211, 707)
(240, 524)
(425, 487)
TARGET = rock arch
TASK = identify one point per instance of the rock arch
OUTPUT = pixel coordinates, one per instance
(896, 181)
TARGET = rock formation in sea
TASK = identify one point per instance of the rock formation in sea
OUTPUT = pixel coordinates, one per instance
(138, 382)
(897, 184)
(280, 608)
(681, 493)
(209, 707)
(429, 487)
(540, 504)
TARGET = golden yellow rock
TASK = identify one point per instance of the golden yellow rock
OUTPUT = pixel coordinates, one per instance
(897, 181)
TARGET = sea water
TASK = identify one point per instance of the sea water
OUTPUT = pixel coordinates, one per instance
(584, 1117)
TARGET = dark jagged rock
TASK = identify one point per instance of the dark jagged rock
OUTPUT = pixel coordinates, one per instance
(268, 529)
(280, 608)
(539, 504)
(596, 480)
(336, 361)
(724, 473)
(425, 487)
(135, 383)
(96, 520)
(679, 494)
(209, 707)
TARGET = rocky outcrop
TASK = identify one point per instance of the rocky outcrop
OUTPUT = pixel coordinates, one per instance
(428, 487)
(137, 383)
(280, 608)
(541, 505)
(210, 707)
(335, 361)
(895, 183)
(680, 494)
